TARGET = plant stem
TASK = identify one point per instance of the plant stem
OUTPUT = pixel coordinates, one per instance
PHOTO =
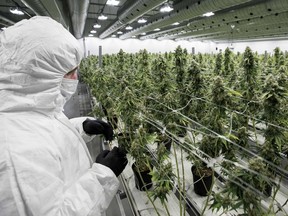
(255, 132)
(274, 195)
(178, 179)
(146, 191)
(183, 172)
(209, 194)
(167, 210)
(155, 208)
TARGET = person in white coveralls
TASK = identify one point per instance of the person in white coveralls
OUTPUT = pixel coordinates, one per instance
(45, 166)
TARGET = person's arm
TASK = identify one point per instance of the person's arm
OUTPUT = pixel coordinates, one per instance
(78, 124)
(46, 191)
(107, 161)
(88, 127)
(91, 194)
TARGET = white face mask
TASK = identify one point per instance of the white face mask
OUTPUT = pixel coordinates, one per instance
(68, 88)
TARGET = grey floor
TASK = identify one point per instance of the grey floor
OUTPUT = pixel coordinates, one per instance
(80, 105)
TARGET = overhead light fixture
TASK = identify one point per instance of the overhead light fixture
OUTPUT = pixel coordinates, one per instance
(157, 29)
(93, 31)
(113, 2)
(113, 36)
(3, 28)
(176, 23)
(119, 32)
(133, 36)
(129, 28)
(90, 35)
(102, 17)
(142, 20)
(166, 8)
(16, 10)
(97, 25)
(143, 33)
(208, 14)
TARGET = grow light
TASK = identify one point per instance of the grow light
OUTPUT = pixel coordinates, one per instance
(102, 17)
(143, 33)
(16, 11)
(166, 8)
(142, 20)
(93, 31)
(176, 23)
(208, 14)
(129, 28)
(157, 29)
(90, 35)
(97, 25)
(113, 2)
(119, 32)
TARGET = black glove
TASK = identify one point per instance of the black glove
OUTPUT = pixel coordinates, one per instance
(115, 159)
(98, 127)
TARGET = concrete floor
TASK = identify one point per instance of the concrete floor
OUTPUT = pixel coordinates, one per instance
(80, 105)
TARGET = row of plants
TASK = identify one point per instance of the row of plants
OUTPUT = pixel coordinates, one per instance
(226, 99)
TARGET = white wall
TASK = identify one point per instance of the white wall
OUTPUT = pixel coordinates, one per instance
(113, 45)
(260, 46)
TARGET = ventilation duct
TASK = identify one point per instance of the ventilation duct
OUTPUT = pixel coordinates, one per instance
(269, 29)
(130, 14)
(6, 20)
(244, 24)
(260, 10)
(170, 31)
(269, 33)
(78, 12)
(245, 14)
(55, 9)
(218, 18)
(47, 8)
(165, 32)
(193, 34)
(37, 7)
(187, 12)
(268, 38)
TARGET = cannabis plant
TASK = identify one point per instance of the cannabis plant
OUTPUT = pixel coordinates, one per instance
(274, 97)
(244, 190)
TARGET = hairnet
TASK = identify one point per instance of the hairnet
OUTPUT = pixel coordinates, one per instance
(34, 56)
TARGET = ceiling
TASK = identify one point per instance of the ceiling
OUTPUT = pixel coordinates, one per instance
(233, 20)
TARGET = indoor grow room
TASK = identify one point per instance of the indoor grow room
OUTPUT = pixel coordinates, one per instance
(196, 92)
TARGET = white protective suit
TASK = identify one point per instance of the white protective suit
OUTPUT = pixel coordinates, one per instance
(45, 166)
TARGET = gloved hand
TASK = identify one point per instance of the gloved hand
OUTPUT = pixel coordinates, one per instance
(98, 127)
(115, 159)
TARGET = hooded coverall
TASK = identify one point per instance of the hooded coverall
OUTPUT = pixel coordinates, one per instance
(45, 166)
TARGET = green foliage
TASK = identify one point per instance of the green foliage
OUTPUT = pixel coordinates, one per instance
(162, 176)
(274, 97)
(195, 89)
(228, 63)
(244, 189)
(218, 64)
(177, 90)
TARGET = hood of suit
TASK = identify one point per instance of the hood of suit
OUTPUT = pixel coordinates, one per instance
(35, 54)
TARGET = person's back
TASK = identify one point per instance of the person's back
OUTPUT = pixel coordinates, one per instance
(45, 166)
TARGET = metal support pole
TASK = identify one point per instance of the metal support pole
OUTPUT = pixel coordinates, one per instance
(84, 47)
(100, 56)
